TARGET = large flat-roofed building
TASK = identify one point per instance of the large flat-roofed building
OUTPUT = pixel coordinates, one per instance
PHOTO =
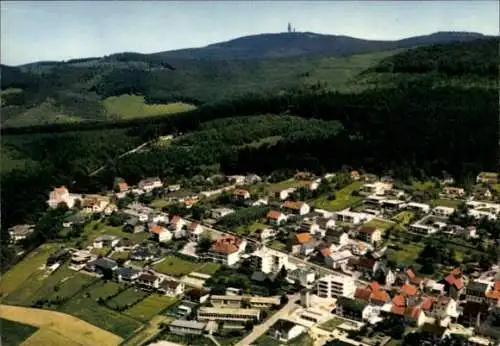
(237, 301)
(228, 314)
(186, 327)
(332, 286)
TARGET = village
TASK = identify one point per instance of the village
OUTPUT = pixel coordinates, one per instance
(347, 258)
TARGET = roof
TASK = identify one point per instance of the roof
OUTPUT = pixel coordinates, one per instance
(156, 229)
(398, 310)
(454, 281)
(175, 220)
(477, 286)
(413, 312)
(169, 284)
(193, 226)
(374, 286)
(295, 205)
(367, 230)
(284, 326)
(147, 277)
(273, 214)
(240, 192)
(381, 296)
(433, 329)
(187, 324)
(362, 293)
(127, 272)
(399, 300)
(227, 244)
(61, 189)
(303, 238)
(105, 237)
(105, 263)
(326, 251)
(123, 186)
(427, 304)
(408, 290)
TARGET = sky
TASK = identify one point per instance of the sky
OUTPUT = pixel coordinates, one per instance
(59, 30)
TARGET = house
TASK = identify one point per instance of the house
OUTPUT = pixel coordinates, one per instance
(75, 219)
(195, 230)
(80, 258)
(228, 314)
(355, 175)
(373, 293)
(267, 233)
(325, 223)
(338, 259)
(61, 195)
(370, 234)
(297, 207)
(493, 294)
(285, 330)
(170, 287)
(240, 194)
(309, 226)
(337, 237)
(365, 265)
(251, 179)
(410, 293)
(298, 240)
(148, 281)
(160, 234)
(102, 266)
(412, 315)
(176, 226)
(236, 179)
(350, 308)
(310, 185)
(238, 301)
(227, 250)
(173, 187)
(431, 334)
(122, 187)
(197, 295)
(333, 286)
(126, 274)
(443, 211)
(259, 202)
(105, 240)
(20, 232)
(95, 203)
(185, 327)
(159, 218)
(142, 253)
(269, 261)
(134, 223)
(377, 188)
(442, 308)
(453, 192)
(454, 284)
(218, 213)
(308, 248)
(476, 291)
(419, 207)
(285, 193)
(275, 218)
(150, 184)
(354, 218)
(487, 177)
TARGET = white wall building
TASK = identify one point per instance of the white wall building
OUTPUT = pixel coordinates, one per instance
(333, 286)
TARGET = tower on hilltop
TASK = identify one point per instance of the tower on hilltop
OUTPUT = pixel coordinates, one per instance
(289, 27)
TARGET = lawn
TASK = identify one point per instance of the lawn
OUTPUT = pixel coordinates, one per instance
(277, 245)
(421, 186)
(176, 266)
(149, 307)
(158, 203)
(14, 333)
(133, 106)
(404, 218)
(28, 268)
(69, 328)
(92, 231)
(85, 306)
(343, 198)
(152, 329)
(453, 203)
(100, 251)
(266, 340)
(302, 340)
(250, 228)
(332, 324)
(208, 268)
(120, 255)
(406, 255)
(379, 224)
(131, 295)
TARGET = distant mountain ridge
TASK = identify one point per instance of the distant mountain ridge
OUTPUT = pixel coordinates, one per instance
(278, 45)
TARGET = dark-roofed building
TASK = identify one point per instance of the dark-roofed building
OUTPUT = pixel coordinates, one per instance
(187, 327)
(473, 314)
(432, 334)
(148, 281)
(102, 266)
(476, 291)
(126, 274)
(171, 288)
(197, 295)
(351, 308)
(285, 330)
(142, 253)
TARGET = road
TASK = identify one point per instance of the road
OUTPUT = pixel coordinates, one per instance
(260, 329)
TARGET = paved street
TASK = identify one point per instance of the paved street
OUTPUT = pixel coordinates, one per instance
(260, 329)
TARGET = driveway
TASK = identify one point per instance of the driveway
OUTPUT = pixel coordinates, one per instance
(260, 329)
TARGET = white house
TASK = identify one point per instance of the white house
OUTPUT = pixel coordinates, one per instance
(352, 217)
(148, 281)
(218, 213)
(285, 330)
(377, 188)
(176, 226)
(297, 207)
(161, 234)
(227, 250)
(443, 211)
(170, 287)
(62, 195)
(285, 193)
(150, 183)
(332, 286)
(95, 203)
(20, 232)
(195, 230)
(338, 259)
(260, 202)
(160, 218)
(479, 214)
(370, 234)
(241, 194)
(425, 208)
(267, 233)
(275, 218)
(236, 179)
(106, 240)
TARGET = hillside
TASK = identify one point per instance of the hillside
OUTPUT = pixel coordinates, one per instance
(82, 89)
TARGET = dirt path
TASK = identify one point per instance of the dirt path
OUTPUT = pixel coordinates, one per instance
(69, 327)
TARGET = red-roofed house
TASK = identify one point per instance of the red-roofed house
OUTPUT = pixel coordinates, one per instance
(161, 234)
(61, 195)
(493, 295)
(369, 234)
(399, 301)
(241, 194)
(355, 175)
(176, 225)
(362, 293)
(275, 218)
(454, 283)
(297, 207)
(443, 307)
(227, 250)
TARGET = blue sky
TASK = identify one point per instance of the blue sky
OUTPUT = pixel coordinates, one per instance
(58, 30)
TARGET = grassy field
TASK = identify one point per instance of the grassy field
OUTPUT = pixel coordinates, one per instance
(275, 244)
(301, 340)
(250, 228)
(133, 106)
(406, 255)
(332, 324)
(343, 198)
(379, 224)
(47, 337)
(14, 333)
(404, 218)
(85, 306)
(149, 307)
(29, 268)
(120, 255)
(69, 327)
(422, 185)
(126, 297)
(453, 203)
(92, 231)
(176, 266)
(158, 203)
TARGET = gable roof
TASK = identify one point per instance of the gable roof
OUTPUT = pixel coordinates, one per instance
(374, 286)
(362, 293)
(367, 230)
(408, 290)
(273, 214)
(283, 326)
(381, 296)
(156, 229)
(453, 280)
(326, 251)
(226, 245)
(427, 303)
(295, 205)
(240, 192)
(399, 300)
(303, 238)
